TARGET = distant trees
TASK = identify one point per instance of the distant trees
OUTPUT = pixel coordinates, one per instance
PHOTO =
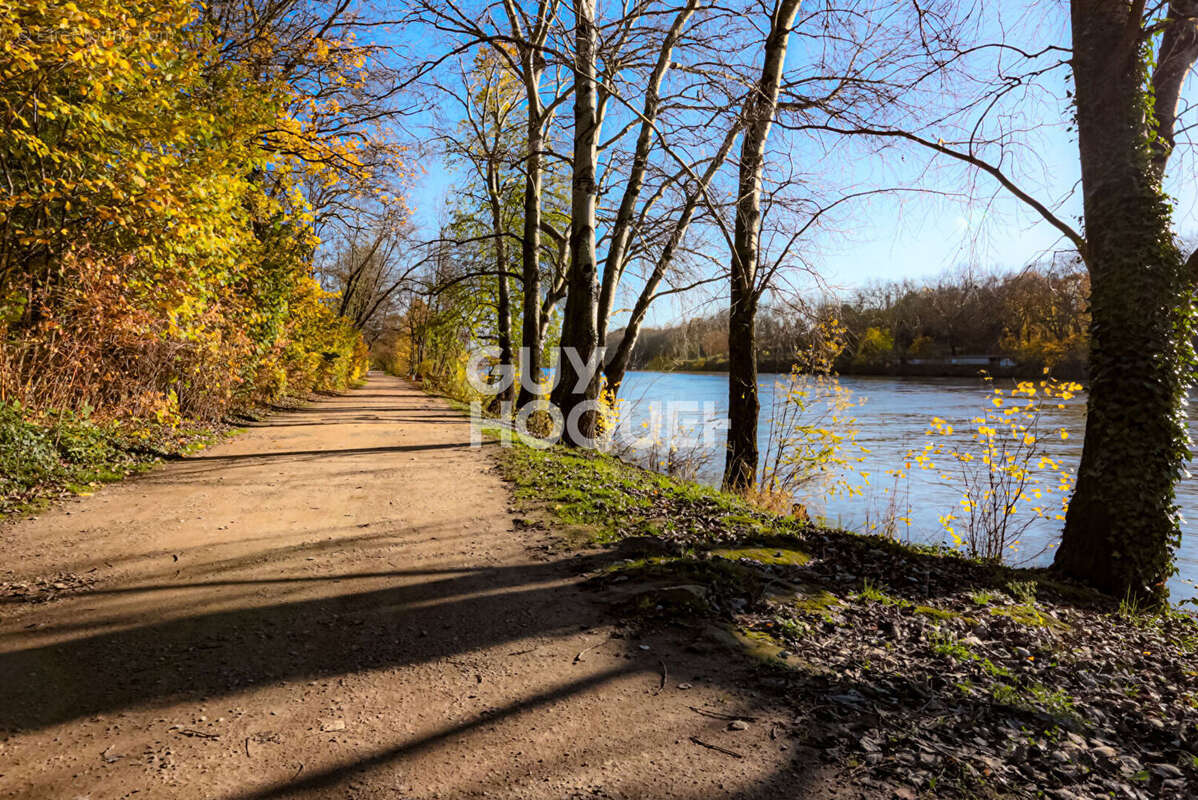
(1036, 316)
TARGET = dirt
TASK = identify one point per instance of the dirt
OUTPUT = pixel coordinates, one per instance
(337, 603)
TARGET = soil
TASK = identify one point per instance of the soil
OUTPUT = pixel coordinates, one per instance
(338, 603)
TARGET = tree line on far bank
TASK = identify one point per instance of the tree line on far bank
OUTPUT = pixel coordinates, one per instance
(1024, 322)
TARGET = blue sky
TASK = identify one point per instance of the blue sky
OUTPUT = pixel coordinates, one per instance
(918, 236)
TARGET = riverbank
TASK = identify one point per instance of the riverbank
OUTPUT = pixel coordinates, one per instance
(897, 369)
(905, 666)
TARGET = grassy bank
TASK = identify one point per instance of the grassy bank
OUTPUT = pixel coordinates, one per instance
(910, 669)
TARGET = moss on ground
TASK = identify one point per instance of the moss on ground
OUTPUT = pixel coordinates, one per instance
(1027, 614)
(763, 555)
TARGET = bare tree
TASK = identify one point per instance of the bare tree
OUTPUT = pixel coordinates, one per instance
(696, 198)
(740, 467)
(577, 386)
(487, 138)
(519, 34)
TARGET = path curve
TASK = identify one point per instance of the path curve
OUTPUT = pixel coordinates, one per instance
(336, 604)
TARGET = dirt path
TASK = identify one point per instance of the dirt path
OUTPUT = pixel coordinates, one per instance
(336, 604)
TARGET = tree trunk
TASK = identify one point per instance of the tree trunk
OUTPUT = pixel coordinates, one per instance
(1122, 522)
(503, 308)
(621, 231)
(579, 331)
(740, 465)
(530, 264)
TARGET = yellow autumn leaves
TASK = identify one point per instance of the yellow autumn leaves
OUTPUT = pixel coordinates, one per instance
(1000, 467)
(155, 234)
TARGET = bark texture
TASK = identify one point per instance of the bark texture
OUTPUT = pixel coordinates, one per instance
(532, 69)
(503, 305)
(530, 266)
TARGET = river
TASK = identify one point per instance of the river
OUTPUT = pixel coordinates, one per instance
(891, 419)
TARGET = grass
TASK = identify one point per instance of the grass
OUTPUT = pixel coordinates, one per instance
(602, 500)
(45, 455)
(984, 598)
(617, 500)
(1035, 697)
(950, 648)
(871, 593)
(1023, 591)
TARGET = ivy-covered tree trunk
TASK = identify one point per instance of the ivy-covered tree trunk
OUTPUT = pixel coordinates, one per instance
(1122, 523)
(740, 463)
(577, 388)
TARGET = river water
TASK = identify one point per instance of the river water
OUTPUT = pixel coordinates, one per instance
(892, 419)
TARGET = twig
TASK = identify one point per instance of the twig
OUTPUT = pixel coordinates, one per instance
(247, 747)
(298, 771)
(664, 676)
(198, 734)
(718, 715)
(716, 747)
(581, 652)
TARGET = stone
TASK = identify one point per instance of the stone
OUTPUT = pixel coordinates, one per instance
(1168, 771)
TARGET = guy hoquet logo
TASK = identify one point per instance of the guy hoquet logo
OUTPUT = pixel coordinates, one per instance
(681, 423)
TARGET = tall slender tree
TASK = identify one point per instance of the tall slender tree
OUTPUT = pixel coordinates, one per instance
(578, 384)
(740, 465)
